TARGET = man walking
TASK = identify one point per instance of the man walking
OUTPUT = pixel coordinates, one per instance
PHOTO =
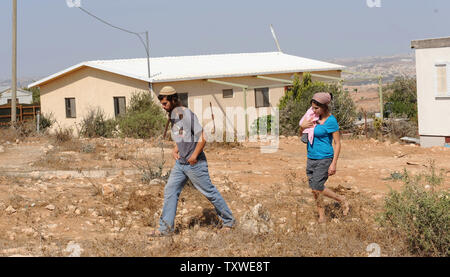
(190, 164)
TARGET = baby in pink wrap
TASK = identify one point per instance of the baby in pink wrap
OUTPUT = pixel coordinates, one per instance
(322, 98)
(308, 134)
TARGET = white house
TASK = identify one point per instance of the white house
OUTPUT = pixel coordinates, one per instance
(433, 90)
(205, 83)
(22, 96)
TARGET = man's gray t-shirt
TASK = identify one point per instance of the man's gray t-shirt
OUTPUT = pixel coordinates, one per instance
(186, 132)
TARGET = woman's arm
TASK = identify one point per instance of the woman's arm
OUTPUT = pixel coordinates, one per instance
(307, 123)
(337, 151)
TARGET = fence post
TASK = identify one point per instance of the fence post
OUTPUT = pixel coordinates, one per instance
(38, 121)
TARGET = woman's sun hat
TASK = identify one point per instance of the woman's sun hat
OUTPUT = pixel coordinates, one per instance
(322, 97)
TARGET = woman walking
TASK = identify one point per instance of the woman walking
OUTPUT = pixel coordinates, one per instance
(322, 158)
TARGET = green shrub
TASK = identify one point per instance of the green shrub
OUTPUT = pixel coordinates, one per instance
(420, 214)
(401, 98)
(262, 124)
(143, 119)
(294, 104)
(95, 124)
(46, 121)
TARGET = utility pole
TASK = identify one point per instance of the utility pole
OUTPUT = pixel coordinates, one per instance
(380, 91)
(147, 49)
(14, 63)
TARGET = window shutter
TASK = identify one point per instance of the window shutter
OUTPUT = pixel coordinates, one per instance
(73, 110)
(259, 101)
(442, 80)
(262, 98)
(266, 98)
(67, 103)
(447, 66)
(122, 105)
(227, 93)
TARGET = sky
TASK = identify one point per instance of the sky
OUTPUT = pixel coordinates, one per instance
(52, 36)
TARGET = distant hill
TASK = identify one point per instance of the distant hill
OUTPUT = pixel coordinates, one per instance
(387, 66)
(21, 82)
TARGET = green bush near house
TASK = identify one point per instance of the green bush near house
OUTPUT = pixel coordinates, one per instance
(143, 118)
(262, 125)
(95, 124)
(294, 104)
(401, 98)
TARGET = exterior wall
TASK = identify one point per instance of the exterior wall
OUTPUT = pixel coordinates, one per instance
(91, 88)
(204, 93)
(431, 141)
(24, 98)
(95, 88)
(434, 112)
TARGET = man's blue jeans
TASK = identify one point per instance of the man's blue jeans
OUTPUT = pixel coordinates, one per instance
(199, 176)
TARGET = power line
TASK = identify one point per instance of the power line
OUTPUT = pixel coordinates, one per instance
(144, 43)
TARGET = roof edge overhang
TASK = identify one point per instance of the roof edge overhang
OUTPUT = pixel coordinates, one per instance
(187, 78)
(79, 66)
(431, 43)
(245, 75)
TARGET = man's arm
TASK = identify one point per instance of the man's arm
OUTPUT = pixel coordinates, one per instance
(198, 149)
(176, 152)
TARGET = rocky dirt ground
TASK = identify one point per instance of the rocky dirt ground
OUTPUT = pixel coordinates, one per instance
(101, 197)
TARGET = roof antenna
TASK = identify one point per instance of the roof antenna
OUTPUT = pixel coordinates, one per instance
(275, 38)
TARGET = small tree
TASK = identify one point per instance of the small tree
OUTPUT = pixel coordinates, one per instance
(401, 97)
(143, 118)
(294, 104)
(95, 124)
(36, 94)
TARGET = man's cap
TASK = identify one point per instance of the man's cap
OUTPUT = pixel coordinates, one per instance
(167, 90)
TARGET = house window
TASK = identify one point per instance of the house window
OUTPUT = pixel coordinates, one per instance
(10, 100)
(227, 93)
(262, 98)
(70, 108)
(119, 106)
(442, 80)
(184, 99)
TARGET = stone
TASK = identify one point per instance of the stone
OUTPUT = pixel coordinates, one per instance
(349, 179)
(74, 249)
(71, 208)
(201, 235)
(107, 189)
(50, 207)
(28, 231)
(52, 226)
(77, 211)
(157, 182)
(10, 210)
(257, 221)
